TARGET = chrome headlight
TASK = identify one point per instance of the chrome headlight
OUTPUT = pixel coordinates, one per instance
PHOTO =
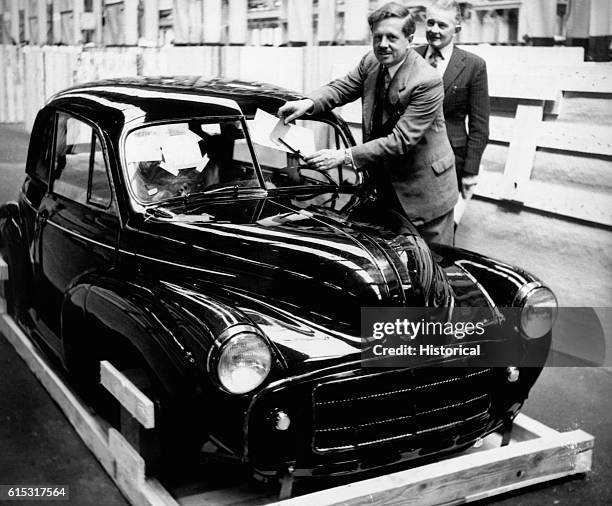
(244, 363)
(538, 310)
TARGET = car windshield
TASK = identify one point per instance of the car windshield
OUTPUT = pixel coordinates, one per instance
(182, 158)
(280, 150)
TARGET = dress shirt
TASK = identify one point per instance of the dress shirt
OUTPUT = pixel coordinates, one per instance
(446, 53)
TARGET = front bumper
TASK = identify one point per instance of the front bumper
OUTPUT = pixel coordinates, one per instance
(350, 421)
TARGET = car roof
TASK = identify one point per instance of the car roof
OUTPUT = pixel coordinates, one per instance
(168, 97)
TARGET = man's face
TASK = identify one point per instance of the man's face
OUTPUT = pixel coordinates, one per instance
(389, 42)
(440, 27)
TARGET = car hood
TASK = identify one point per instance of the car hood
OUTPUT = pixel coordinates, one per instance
(306, 272)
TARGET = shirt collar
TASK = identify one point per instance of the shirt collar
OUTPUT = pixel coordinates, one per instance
(394, 68)
(446, 51)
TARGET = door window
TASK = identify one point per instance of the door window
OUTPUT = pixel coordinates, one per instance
(79, 160)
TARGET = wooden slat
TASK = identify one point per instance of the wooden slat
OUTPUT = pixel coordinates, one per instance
(138, 404)
(532, 87)
(577, 202)
(560, 135)
(468, 477)
(521, 153)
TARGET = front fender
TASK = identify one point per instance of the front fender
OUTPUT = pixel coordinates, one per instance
(502, 281)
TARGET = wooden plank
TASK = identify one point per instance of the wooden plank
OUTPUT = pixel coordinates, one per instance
(137, 403)
(559, 135)
(524, 86)
(565, 200)
(150, 23)
(573, 136)
(521, 153)
(130, 22)
(212, 22)
(237, 21)
(326, 25)
(129, 462)
(525, 428)
(467, 477)
(355, 21)
(180, 17)
(3, 87)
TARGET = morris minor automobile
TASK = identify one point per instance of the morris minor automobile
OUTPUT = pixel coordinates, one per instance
(159, 230)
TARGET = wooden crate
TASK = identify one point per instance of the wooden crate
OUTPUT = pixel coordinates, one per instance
(536, 454)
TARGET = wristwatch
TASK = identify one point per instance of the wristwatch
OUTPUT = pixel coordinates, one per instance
(348, 159)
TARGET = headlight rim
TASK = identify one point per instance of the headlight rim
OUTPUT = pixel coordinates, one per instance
(520, 302)
(221, 343)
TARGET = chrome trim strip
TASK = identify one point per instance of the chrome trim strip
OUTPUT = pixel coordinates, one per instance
(498, 314)
(168, 262)
(523, 292)
(76, 234)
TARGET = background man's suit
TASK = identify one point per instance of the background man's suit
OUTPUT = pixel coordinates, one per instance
(466, 93)
(416, 152)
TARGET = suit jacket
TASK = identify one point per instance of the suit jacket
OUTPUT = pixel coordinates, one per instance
(466, 93)
(416, 153)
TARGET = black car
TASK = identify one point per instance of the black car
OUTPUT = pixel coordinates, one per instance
(160, 229)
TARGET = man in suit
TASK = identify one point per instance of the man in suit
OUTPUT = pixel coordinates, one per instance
(403, 125)
(466, 91)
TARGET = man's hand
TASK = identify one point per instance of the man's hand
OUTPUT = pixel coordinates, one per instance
(294, 109)
(326, 159)
(468, 185)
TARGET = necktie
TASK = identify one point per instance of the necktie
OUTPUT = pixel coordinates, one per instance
(434, 57)
(380, 94)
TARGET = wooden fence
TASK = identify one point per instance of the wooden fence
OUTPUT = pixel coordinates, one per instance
(550, 147)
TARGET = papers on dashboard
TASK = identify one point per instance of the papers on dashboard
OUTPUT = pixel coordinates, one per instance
(266, 129)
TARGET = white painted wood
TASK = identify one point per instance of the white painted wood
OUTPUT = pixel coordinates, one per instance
(522, 149)
(212, 22)
(237, 21)
(128, 395)
(356, 27)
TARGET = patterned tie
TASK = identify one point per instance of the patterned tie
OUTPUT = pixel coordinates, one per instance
(435, 56)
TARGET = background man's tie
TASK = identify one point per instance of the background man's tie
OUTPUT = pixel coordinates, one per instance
(434, 57)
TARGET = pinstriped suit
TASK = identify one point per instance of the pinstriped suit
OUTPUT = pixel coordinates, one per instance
(417, 153)
(466, 93)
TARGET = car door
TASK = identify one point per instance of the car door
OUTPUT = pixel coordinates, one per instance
(77, 223)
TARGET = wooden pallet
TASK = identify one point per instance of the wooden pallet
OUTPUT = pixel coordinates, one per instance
(536, 454)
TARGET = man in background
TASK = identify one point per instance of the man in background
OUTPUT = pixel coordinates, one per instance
(466, 93)
(405, 147)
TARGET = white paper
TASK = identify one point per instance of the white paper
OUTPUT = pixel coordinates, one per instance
(459, 209)
(181, 151)
(301, 139)
(143, 149)
(266, 130)
(262, 127)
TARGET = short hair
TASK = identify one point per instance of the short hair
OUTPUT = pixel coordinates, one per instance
(448, 5)
(393, 10)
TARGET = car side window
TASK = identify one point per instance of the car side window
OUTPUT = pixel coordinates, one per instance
(100, 192)
(78, 153)
(39, 153)
(72, 156)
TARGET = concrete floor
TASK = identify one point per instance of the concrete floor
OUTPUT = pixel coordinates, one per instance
(37, 445)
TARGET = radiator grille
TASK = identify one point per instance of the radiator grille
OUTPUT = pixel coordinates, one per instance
(410, 405)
